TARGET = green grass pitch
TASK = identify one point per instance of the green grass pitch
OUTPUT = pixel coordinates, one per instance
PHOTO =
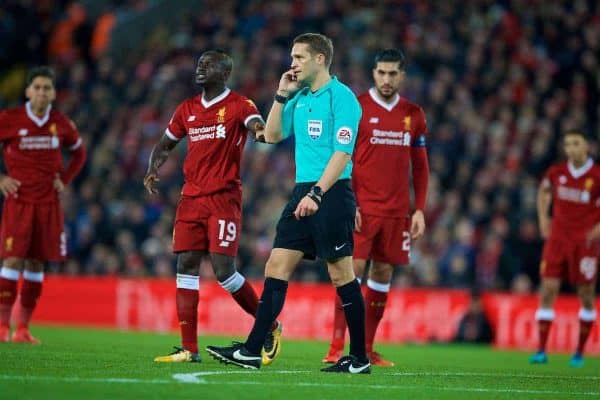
(100, 364)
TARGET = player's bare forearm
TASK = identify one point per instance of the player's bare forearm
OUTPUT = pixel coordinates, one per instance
(336, 165)
(256, 126)
(160, 153)
(544, 199)
(273, 131)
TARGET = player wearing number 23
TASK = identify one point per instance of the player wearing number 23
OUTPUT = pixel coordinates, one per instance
(390, 149)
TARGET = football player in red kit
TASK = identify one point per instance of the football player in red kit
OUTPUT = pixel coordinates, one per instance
(33, 137)
(391, 143)
(208, 217)
(572, 234)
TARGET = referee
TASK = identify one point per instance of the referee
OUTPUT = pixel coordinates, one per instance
(322, 114)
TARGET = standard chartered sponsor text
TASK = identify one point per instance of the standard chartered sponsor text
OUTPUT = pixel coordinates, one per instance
(390, 138)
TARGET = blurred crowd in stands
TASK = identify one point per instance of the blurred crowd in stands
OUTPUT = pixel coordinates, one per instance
(499, 81)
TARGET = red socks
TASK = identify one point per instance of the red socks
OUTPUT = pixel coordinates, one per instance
(339, 325)
(544, 331)
(8, 293)
(187, 310)
(544, 317)
(247, 299)
(376, 295)
(585, 327)
(586, 321)
(30, 293)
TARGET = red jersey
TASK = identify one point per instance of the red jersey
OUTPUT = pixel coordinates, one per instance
(575, 198)
(217, 133)
(32, 150)
(382, 157)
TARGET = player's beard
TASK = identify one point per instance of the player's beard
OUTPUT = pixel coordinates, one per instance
(391, 95)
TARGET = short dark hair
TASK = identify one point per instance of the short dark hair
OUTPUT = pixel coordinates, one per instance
(576, 132)
(317, 44)
(222, 57)
(44, 71)
(390, 55)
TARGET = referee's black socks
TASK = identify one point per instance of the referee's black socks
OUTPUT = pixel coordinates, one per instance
(354, 309)
(269, 306)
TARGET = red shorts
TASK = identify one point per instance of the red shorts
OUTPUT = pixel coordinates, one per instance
(383, 239)
(210, 223)
(33, 231)
(575, 261)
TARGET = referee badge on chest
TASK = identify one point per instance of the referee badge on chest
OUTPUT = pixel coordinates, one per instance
(315, 128)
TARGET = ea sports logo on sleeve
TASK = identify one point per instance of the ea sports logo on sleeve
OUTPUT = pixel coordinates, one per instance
(344, 135)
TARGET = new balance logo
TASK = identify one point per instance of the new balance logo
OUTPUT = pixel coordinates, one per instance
(374, 120)
(191, 118)
(224, 243)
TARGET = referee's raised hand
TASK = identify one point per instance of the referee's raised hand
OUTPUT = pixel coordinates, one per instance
(288, 84)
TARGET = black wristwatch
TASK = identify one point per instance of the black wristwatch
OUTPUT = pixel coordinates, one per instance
(317, 190)
(316, 194)
(280, 99)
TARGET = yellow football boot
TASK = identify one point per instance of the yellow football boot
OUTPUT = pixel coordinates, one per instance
(179, 355)
(272, 346)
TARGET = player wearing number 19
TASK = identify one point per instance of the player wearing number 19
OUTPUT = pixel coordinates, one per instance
(572, 235)
(208, 216)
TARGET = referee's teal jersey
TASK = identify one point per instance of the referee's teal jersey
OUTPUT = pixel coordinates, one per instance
(322, 122)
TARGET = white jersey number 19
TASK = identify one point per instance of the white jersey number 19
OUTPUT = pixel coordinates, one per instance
(230, 235)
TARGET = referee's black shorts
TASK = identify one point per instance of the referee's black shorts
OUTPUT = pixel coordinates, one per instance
(326, 234)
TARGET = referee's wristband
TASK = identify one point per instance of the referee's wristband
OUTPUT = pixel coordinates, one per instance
(280, 99)
(314, 198)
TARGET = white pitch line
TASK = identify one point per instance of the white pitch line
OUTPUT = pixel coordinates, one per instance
(195, 377)
(81, 379)
(405, 387)
(288, 384)
(493, 374)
